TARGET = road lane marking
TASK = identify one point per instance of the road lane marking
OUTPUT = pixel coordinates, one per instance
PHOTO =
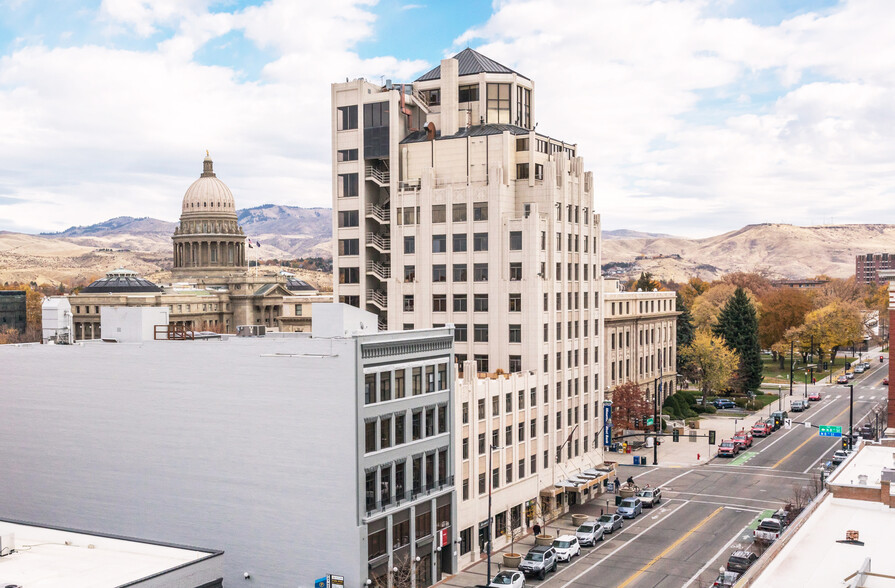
(744, 457)
(837, 442)
(805, 442)
(722, 496)
(721, 551)
(732, 505)
(741, 472)
(680, 540)
(644, 473)
(620, 547)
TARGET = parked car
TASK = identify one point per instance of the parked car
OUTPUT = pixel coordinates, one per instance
(508, 580)
(743, 438)
(650, 496)
(726, 579)
(723, 403)
(728, 448)
(839, 456)
(814, 395)
(761, 429)
(589, 533)
(860, 369)
(740, 561)
(770, 423)
(630, 508)
(797, 405)
(850, 376)
(886, 381)
(538, 561)
(866, 365)
(566, 547)
(611, 522)
(843, 379)
(768, 530)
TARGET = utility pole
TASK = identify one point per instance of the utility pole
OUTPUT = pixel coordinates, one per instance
(851, 408)
(791, 362)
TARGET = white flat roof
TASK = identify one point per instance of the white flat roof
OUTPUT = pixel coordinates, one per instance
(869, 461)
(49, 558)
(812, 556)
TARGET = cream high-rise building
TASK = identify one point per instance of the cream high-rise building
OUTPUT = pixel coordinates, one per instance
(451, 208)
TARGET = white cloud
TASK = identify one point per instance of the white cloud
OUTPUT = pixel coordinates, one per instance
(621, 77)
(93, 132)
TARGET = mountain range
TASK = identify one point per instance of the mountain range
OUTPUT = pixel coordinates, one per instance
(288, 232)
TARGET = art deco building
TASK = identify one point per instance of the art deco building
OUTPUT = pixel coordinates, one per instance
(213, 289)
(450, 208)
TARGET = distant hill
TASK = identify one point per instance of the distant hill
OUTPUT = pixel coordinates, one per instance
(629, 234)
(780, 250)
(288, 232)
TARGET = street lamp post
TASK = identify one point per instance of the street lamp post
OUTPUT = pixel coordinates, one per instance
(851, 408)
(780, 396)
(492, 449)
(659, 385)
(791, 362)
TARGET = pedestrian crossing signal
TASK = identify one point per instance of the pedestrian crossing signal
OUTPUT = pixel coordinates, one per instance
(676, 435)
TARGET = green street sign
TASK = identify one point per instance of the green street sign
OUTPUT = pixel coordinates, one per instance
(829, 431)
(649, 421)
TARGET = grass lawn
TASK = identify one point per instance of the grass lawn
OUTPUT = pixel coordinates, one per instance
(774, 375)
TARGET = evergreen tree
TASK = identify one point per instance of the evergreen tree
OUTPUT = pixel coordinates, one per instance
(738, 326)
(645, 283)
(685, 331)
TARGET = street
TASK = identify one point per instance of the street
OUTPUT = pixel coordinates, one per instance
(707, 510)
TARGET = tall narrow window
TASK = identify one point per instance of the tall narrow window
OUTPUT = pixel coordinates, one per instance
(499, 103)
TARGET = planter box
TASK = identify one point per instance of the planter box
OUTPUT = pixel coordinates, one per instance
(512, 560)
(579, 519)
(544, 540)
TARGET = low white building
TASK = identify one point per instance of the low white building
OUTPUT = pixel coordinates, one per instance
(301, 455)
(35, 556)
(57, 323)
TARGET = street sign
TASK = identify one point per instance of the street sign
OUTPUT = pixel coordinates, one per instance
(807, 425)
(320, 583)
(442, 537)
(829, 431)
(787, 423)
(607, 424)
(649, 422)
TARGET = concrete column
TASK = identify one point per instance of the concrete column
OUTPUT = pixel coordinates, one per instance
(449, 97)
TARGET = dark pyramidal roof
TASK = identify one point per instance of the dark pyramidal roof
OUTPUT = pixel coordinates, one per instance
(120, 281)
(296, 285)
(474, 131)
(471, 62)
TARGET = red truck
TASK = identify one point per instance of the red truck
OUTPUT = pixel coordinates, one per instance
(728, 448)
(761, 429)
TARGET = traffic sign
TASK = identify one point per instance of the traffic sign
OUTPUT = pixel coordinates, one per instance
(787, 423)
(829, 431)
(649, 421)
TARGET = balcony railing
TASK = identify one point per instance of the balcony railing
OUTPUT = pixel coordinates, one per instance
(383, 272)
(378, 298)
(383, 215)
(375, 174)
(378, 242)
(374, 506)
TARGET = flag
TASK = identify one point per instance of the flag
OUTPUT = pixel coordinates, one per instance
(250, 243)
(258, 244)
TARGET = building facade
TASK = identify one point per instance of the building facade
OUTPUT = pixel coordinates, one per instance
(213, 289)
(867, 267)
(640, 340)
(13, 314)
(300, 455)
(449, 208)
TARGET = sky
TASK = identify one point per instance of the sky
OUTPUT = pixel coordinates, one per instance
(697, 117)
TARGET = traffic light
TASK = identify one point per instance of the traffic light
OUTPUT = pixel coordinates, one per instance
(711, 437)
(845, 443)
(676, 435)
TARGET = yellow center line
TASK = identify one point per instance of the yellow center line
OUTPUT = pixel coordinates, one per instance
(802, 444)
(669, 548)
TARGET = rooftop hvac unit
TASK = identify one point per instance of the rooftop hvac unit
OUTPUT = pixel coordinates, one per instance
(7, 544)
(251, 330)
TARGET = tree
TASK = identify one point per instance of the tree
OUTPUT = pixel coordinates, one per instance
(836, 325)
(707, 306)
(628, 402)
(738, 326)
(781, 310)
(755, 282)
(684, 330)
(645, 283)
(711, 361)
(694, 288)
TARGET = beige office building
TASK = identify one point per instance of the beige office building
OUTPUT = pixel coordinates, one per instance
(449, 208)
(640, 339)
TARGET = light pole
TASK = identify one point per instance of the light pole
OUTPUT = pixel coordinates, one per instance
(492, 449)
(780, 395)
(851, 408)
(791, 362)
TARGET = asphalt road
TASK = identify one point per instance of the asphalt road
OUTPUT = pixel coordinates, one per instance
(707, 511)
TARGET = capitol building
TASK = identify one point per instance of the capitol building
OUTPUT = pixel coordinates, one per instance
(212, 288)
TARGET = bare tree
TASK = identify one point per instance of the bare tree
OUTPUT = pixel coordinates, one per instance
(403, 573)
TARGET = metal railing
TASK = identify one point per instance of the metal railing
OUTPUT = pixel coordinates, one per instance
(380, 176)
(383, 244)
(378, 297)
(383, 272)
(383, 215)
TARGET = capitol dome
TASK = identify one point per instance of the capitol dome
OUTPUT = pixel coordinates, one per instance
(208, 193)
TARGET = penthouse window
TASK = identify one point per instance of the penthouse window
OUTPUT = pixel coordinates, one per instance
(468, 93)
(499, 103)
(347, 118)
(432, 97)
